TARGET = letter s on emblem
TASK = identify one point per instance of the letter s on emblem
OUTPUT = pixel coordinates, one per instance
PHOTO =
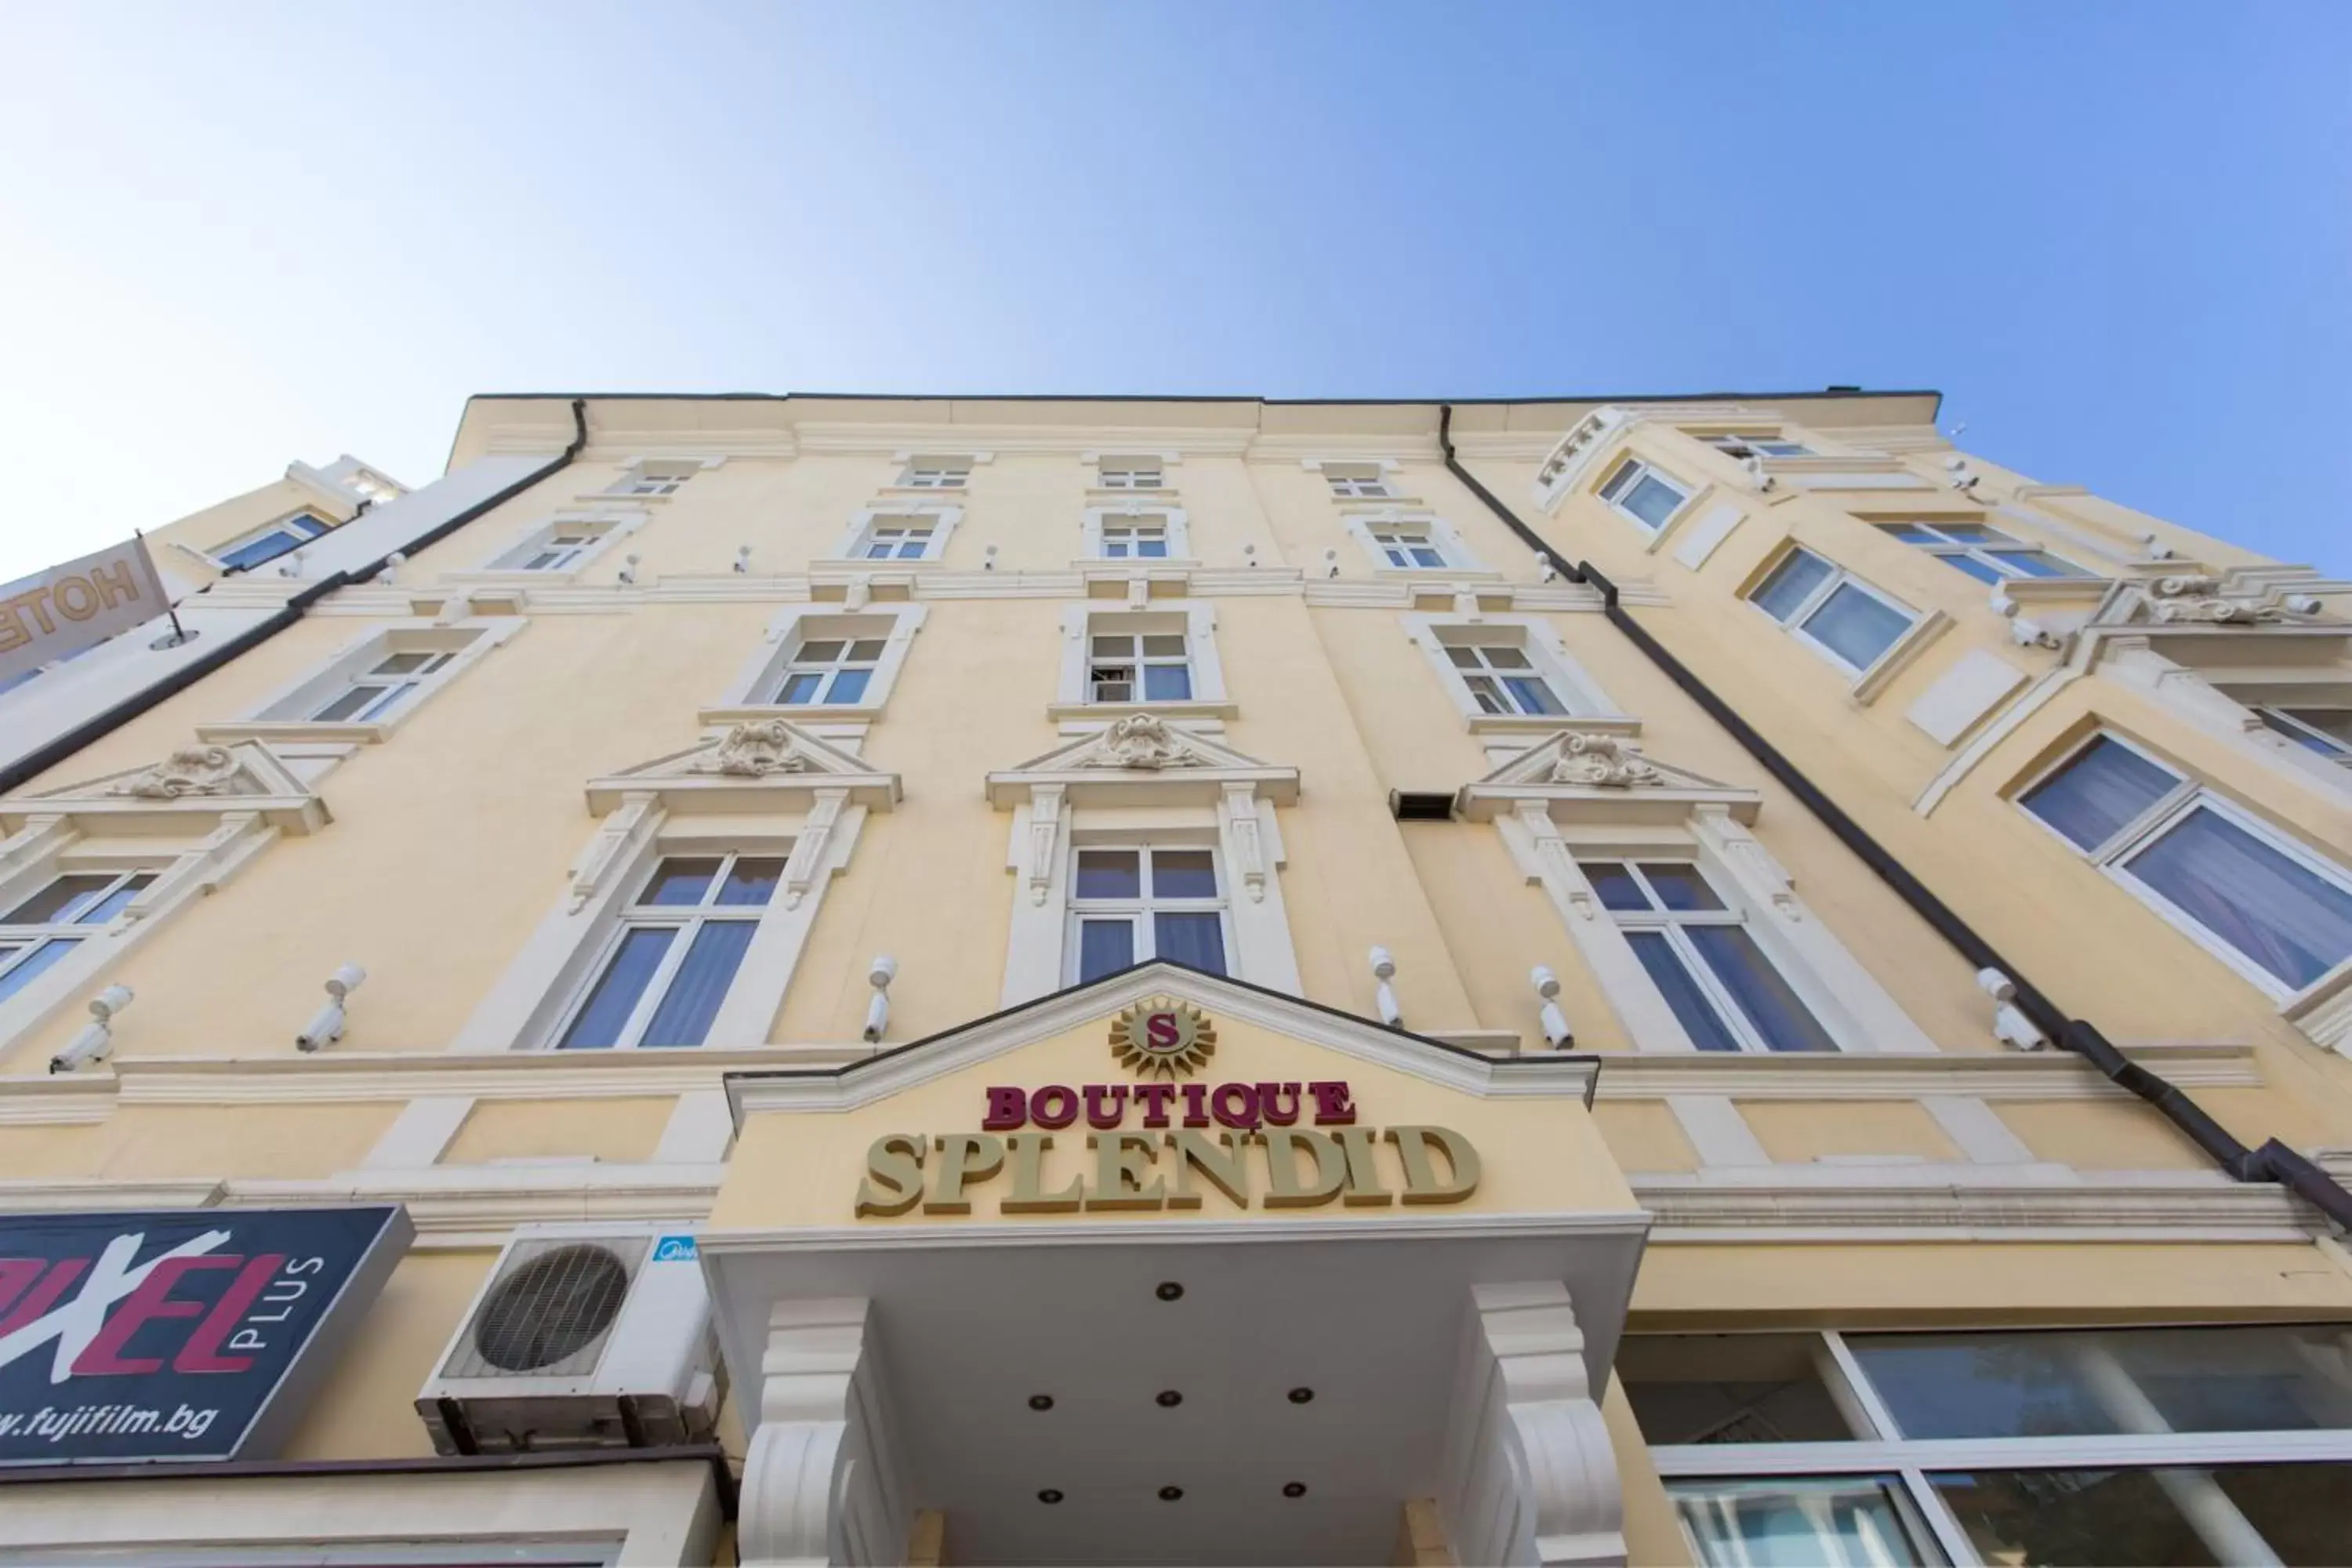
(1160, 1029)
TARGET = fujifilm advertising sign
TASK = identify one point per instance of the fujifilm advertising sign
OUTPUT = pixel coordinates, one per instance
(188, 1335)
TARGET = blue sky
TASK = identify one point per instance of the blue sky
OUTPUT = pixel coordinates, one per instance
(2117, 236)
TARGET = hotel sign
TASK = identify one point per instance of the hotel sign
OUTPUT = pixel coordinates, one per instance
(1158, 1142)
(56, 613)
(185, 1334)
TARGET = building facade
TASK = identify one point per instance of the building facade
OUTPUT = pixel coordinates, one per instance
(899, 980)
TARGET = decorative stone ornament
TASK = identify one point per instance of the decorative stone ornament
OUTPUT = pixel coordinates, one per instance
(1603, 761)
(754, 750)
(1163, 1038)
(189, 770)
(2180, 600)
(1141, 740)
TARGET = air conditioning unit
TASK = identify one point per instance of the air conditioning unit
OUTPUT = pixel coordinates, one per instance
(586, 1337)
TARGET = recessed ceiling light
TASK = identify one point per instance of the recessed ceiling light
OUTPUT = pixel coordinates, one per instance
(1170, 1399)
(1169, 1494)
(1294, 1489)
(1041, 1402)
(1301, 1395)
(1169, 1290)
(1050, 1495)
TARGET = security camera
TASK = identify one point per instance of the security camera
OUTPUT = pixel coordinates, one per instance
(96, 1036)
(326, 1026)
(878, 974)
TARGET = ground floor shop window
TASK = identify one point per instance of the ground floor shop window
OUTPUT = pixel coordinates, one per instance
(2219, 1445)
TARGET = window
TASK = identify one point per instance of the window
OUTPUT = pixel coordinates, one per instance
(1755, 445)
(1357, 481)
(1985, 553)
(936, 473)
(564, 545)
(899, 539)
(2328, 731)
(1726, 994)
(1133, 903)
(2279, 914)
(1134, 539)
(1643, 494)
(1406, 544)
(389, 682)
(1502, 679)
(668, 968)
(831, 671)
(2201, 1445)
(1139, 667)
(654, 479)
(1131, 474)
(1839, 613)
(251, 549)
(47, 926)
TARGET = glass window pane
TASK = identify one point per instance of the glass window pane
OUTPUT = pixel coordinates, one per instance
(115, 902)
(1153, 546)
(849, 685)
(751, 880)
(386, 698)
(1463, 658)
(2238, 1513)
(1910, 532)
(2091, 797)
(60, 900)
(1730, 1388)
(819, 652)
(1167, 683)
(403, 664)
(1198, 940)
(346, 703)
(1679, 885)
(1981, 570)
(2335, 721)
(680, 881)
(598, 1026)
(801, 686)
(1771, 1005)
(1164, 646)
(1488, 695)
(2328, 732)
(1791, 584)
(2294, 922)
(30, 969)
(1105, 947)
(1615, 886)
(1652, 501)
(2035, 564)
(1183, 874)
(1855, 626)
(866, 651)
(701, 984)
(1976, 534)
(1692, 1009)
(1502, 656)
(1109, 874)
(1619, 480)
(1859, 1521)
(1114, 647)
(1534, 696)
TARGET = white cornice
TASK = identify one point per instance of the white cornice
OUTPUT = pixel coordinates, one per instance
(2091, 1210)
(1848, 1076)
(342, 1077)
(1058, 440)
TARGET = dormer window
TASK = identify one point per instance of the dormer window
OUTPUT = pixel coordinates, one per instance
(655, 478)
(1357, 481)
(1985, 553)
(1131, 474)
(936, 473)
(1744, 445)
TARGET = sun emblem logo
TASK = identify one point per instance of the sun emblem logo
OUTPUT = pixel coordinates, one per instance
(1163, 1038)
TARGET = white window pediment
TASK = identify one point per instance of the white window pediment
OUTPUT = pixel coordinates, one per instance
(194, 783)
(1590, 777)
(1142, 780)
(760, 765)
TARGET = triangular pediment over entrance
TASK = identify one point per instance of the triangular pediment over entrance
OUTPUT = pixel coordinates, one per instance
(768, 764)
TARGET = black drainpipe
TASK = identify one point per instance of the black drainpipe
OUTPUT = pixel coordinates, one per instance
(35, 763)
(2273, 1161)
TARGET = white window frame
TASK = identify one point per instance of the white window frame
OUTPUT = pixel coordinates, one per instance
(1443, 537)
(1381, 485)
(1173, 520)
(1643, 468)
(533, 1002)
(2279, 720)
(287, 714)
(1989, 556)
(851, 549)
(1196, 621)
(1137, 911)
(1881, 1451)
(1754, 441)
(1548, 840)
(219, 554)
(936, 471)
(1120, 470)
(599, 531)
(654, 479)
(2166, 812)
(21, 943)
(688, 920)
(1588, 705)
(749, 695)
(1839, 576)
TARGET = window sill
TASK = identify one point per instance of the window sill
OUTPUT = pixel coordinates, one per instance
(1551, 723)
(325, 731)
(614, 498)
(1106, 496)
(1108, 712)
(2324, 1010)
(925, 492)
(1872, 683)
(1436, 575)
